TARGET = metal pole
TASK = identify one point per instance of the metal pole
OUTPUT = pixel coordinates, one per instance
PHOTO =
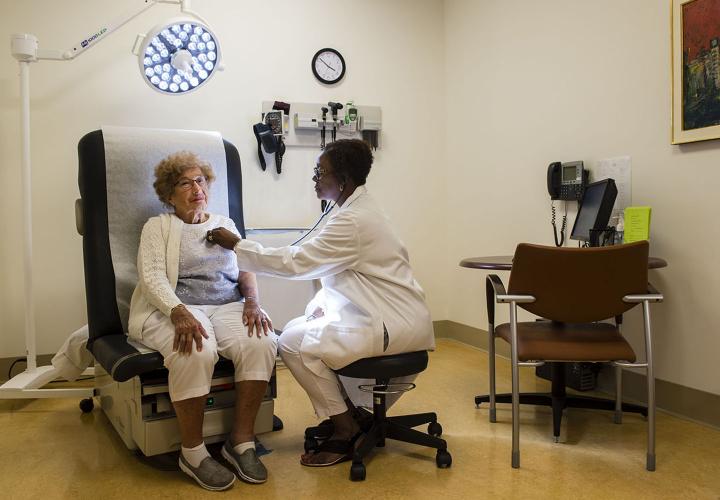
(27, 215)
(515, 458)
(650, 465)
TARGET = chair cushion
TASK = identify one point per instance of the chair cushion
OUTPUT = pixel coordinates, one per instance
(385, 367)
(123, 360)
(550, 341)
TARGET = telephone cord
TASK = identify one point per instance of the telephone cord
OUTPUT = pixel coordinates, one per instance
(558, 242)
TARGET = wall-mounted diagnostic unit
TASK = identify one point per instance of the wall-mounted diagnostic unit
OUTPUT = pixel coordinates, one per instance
(313, 124)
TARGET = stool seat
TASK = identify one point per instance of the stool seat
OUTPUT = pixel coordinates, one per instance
(386, 367)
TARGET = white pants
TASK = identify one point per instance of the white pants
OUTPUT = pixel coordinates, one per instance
(327, 391)
(190, 375)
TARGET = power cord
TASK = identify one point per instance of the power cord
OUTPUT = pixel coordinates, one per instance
(12, 365)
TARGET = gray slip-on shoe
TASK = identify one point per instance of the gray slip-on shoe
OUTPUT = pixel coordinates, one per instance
(210, 474)
(247, 465)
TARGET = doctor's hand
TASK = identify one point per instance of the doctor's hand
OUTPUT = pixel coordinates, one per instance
(223, 237)
(187, 330)
(255, 318)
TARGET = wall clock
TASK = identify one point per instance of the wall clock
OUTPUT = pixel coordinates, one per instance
(328, 66)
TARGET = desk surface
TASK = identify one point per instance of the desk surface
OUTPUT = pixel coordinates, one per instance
(504, 262)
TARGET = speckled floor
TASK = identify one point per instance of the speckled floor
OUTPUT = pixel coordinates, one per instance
(51, 450)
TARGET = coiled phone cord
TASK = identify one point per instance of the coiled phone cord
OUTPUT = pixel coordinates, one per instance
(562, 227)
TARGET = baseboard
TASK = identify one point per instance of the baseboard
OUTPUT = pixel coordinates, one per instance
(6, 363)
(686, 402)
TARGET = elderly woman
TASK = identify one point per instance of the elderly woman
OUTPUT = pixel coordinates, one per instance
(191, 304)
(369, 304)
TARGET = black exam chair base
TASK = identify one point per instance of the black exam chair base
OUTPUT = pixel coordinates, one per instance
(558, 400)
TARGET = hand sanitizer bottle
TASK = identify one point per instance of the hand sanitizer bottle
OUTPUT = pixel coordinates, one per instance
(620, 230)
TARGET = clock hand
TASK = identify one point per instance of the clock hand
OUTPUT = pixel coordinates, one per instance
(326, 64)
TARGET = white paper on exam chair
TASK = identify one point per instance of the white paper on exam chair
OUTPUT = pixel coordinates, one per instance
(73, 357)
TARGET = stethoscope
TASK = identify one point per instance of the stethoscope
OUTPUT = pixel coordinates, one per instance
(325, 212)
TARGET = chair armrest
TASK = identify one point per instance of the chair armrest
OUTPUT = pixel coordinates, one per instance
(520, 299)
(652, 295)
(501, 296)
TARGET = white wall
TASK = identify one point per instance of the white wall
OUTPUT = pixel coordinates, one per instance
(579, 80)
(393, 51)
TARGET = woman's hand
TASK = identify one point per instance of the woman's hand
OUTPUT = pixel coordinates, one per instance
(255, 319)
(223, 237)
(187, 329)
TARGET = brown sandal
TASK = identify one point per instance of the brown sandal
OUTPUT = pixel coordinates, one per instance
(342, 447)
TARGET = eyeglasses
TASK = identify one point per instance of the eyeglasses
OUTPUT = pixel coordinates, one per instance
(185, 184)
(319, 172)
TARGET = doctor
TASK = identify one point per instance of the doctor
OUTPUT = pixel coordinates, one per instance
(369, 304)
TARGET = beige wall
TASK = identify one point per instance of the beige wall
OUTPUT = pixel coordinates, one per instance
(568, 80)
(394, 52)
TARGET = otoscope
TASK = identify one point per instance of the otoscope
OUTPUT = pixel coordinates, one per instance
(322, 132)
(334, 106)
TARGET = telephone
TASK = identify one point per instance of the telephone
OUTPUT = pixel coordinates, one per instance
(566, 181)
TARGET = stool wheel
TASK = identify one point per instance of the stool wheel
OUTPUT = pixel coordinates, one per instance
(443, 459)
(87, 405)
(435, 429)
(357, 472)
(277, 423)
(311, 444)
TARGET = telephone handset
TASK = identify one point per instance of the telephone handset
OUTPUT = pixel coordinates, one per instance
(565, 181)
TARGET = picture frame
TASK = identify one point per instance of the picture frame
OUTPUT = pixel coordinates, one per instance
(695, 70)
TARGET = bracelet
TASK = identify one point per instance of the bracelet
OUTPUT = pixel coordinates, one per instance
(250, 298)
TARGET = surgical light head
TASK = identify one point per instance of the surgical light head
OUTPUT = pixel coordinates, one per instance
(179, 56)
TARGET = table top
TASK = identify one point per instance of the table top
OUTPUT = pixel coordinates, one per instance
(504, 262)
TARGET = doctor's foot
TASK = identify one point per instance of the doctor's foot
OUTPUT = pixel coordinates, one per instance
(209, 473)
(244, 459)
(339, 447)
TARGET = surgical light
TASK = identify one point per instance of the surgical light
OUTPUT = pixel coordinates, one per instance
(178, 53)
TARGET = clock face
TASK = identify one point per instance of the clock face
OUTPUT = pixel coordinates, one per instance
(328, 66)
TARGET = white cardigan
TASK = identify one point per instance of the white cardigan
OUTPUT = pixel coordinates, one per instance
(157, 263)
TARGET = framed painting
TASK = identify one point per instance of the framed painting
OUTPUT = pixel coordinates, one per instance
(695, 70)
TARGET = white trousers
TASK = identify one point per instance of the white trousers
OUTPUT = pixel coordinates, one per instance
(190, 374)
(327, 391)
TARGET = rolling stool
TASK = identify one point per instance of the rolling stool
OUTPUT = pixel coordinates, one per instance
(400, 428)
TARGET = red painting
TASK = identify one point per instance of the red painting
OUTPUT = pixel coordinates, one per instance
(701, 63)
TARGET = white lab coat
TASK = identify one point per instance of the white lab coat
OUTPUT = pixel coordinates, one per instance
(366, 281)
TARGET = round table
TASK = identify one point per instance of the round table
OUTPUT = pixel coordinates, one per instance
(504, 262)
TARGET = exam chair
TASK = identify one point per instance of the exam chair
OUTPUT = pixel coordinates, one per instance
(574, 290)
(131, 381)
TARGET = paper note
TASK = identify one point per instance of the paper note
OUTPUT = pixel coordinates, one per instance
(637, 224)
(618, 169)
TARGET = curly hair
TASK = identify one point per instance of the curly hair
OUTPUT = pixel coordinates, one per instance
(350, 159)
(170, 169)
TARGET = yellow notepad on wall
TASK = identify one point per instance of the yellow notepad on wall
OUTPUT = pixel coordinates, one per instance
(637, 224)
